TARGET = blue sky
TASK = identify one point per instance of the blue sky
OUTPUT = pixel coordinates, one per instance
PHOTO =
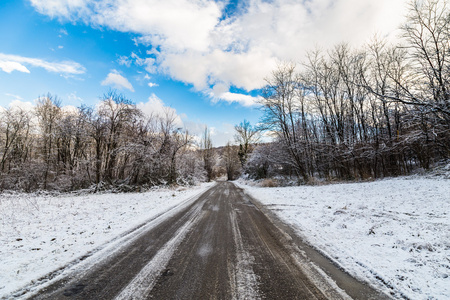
(204, 59)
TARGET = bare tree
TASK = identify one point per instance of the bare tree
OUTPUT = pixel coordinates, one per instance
(15, 126)
(97, 133)
(246, 135)
(207, 150)
(230, 160)
(48, 111)
(281, 112)
(174, 139)
(117, 112)
(427, 40)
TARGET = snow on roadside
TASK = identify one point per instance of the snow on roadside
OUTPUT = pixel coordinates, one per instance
(393, 233)
(40, 234)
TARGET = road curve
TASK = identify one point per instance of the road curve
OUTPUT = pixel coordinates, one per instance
(221, 246)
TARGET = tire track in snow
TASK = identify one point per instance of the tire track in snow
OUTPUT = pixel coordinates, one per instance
(145, 280)
(246, 282)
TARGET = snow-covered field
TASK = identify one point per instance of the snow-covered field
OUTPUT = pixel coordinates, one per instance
(394, 233)
(40, 234)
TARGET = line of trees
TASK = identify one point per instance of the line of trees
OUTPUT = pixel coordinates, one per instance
(357, 113)
(382, 110)
(113, 145)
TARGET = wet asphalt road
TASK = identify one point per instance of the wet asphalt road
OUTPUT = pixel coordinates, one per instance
(220, 246)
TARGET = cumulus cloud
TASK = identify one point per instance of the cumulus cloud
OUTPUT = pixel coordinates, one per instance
(156, 107)
(9, 63)
(197, 44)
(70, 109)
(220, 92)
(220, 137)
(27, 106)
(67, 9)
(152, 84)
(244, 100)
(179, 23)
(22, 105)
(117, 81)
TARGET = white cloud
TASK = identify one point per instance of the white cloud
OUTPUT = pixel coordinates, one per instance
(60, 47)
(124, 61)
(244, 100)
(9, 63)
(9, 66)
(220, 92)
(243, 70)
(156, 107)
(220, 137)
(138, 61)
(23, 105)
(70, 109)
(152, 84)
(16, 97)
(116, 80)
(179, 23)
(149, 63)
(198, 46)
(69, 9)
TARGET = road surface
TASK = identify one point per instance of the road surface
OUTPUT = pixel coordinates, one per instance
(220, 246)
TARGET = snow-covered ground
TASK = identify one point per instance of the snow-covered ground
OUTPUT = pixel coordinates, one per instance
(40, 234)
(394, 233)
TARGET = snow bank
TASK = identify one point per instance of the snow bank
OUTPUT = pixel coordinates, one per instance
(40, 234)
(394, 233)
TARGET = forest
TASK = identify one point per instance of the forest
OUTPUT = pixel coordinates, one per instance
(357, 113)
(346, 113)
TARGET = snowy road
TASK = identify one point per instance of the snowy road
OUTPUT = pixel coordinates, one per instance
(220, 246)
